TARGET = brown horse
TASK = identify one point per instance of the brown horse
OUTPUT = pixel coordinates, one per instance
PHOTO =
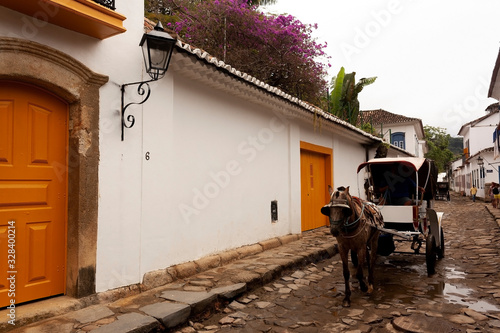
(354, 223)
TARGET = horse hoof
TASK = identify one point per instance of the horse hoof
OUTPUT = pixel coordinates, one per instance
(363, 287)
(346, 303)
(370, 289)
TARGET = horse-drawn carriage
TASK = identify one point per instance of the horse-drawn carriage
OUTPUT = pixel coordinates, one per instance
(414, 220)
(443, 191)
(399, 210)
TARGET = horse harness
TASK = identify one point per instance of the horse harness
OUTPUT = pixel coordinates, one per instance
(345, 225)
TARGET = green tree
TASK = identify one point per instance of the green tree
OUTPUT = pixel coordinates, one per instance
(344, 101)
(457, 146)
(368, 128)
(438, 142)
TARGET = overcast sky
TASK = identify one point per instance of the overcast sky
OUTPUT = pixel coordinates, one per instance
(433, 59)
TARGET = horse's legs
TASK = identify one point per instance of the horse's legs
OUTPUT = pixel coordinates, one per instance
(345, 269)
(359, 271)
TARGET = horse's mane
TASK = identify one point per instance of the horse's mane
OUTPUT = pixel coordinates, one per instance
(362, 208)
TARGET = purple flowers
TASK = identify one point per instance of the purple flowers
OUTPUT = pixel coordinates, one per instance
(278, 50)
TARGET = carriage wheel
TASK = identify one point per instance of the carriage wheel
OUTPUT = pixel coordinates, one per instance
(440, 250)
(430, 254)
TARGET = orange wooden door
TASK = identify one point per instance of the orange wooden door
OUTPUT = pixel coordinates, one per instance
(314, 189)
(33, 193)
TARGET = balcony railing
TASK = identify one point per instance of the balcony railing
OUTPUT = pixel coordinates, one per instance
(106, 3)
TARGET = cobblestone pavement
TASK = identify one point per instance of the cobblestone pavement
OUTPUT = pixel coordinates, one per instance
(198, 287)
(463, 295)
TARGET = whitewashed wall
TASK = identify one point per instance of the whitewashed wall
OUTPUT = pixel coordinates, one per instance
(455, 167)
(410, 135)
(480, 135)
(216, 164)
(348, 156)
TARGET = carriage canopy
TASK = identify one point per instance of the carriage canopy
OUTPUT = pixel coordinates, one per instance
(423, 171)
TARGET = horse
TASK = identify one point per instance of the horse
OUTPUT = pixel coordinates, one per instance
(354, 223)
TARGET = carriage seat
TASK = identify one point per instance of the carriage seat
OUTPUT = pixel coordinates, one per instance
(400, 218)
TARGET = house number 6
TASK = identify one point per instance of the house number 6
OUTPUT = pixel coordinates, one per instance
(147, 156)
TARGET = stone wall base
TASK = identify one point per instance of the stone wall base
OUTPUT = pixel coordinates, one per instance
(160, 277)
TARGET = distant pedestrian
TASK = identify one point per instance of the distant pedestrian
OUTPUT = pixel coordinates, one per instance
(490, 193)
(496, 195)
(473, 192)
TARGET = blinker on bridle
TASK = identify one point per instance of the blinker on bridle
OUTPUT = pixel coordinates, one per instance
(342, 203)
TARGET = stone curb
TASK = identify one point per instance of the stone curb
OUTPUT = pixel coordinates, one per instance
(161, 277)
(495, 213)
(185, 290)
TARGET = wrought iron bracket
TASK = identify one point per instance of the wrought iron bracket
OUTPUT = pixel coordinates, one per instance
(142, 90)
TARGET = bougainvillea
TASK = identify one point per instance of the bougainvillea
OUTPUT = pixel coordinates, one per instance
(277, 49)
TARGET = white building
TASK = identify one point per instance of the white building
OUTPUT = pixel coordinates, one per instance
(477, 167)
(403, 132)
(494, 92)
(215, 159)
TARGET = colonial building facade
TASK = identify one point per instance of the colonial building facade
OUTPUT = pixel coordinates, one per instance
(215, 159)
(403, 132)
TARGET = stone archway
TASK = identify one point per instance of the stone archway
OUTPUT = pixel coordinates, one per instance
(64, 76)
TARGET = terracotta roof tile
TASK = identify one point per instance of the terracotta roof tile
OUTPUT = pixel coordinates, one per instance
(150, 25)
(493, 107)
(380, 116)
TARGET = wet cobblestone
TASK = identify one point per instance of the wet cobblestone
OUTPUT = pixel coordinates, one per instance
(463, 295)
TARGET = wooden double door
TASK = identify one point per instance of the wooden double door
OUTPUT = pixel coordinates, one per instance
(33, 193)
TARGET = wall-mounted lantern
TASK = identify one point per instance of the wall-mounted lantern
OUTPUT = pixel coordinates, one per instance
(157, 47)
(480, 161)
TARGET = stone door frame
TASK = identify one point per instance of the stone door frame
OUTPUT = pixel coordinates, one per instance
(40, 65)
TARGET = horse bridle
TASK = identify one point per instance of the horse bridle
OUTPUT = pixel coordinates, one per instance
(344, 203)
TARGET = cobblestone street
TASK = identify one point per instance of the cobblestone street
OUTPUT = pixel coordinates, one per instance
(463, 295)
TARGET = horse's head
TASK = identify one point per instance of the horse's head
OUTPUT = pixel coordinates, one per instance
(338, 209)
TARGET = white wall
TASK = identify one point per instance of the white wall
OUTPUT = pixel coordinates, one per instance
(216, 164)
(411, 145)
(490, 171)
(491, 174)
(456, 175)
(481, 134)
(480, 137)
(347, 155)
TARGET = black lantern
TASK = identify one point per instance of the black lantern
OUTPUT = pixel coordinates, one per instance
(157, 47)
(480, 161)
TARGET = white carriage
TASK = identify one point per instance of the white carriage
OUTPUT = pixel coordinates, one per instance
(413, 218)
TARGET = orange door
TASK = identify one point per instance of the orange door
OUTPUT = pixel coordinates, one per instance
(314, 189)
(33, 193)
